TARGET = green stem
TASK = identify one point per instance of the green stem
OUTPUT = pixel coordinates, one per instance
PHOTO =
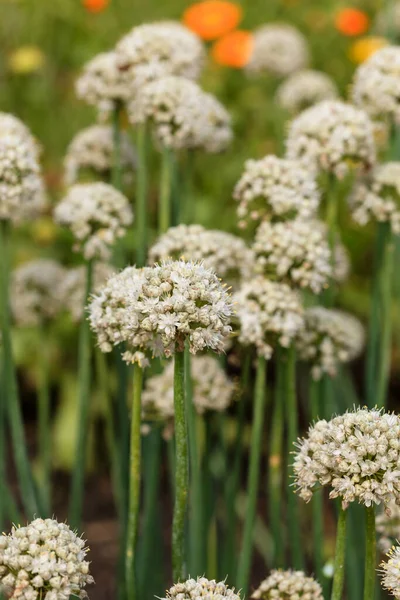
(370, 554)
(84, 356)
(165, 195)
(332, 210)
(181, 470)
(340, 553)
(141, 196)
(188, 201)
(253, 476)
(134, 484)
(44, 424)
(318, 497)
(116, 176)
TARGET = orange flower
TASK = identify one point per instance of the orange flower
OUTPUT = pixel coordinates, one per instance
(351, 21)
(233, 49)
(363, 48)
(95, 6)
(211, 19)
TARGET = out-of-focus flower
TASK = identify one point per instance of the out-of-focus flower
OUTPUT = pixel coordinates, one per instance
(388, 527)
(390, 572)
(95, 6)
(196, 589)
(26, 59)
(11, 125)
(388, 19)
(305, 88)
(233, 49)
(72, 289)
(287, 585)
(365, 47)
(351, 21)
(211, 19)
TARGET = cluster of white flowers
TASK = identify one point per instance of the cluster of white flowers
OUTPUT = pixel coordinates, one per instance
(93, 148)
(11, 125)
(332, 136)
(223, 252)
(269, 314)
(379, 197)
(274, 188)
(35, 291)
(357, 454)
(330, 337)
(390, 572)
(288, 585)
(296, 252)
(376, 86)
(342, 265)
(154, 309)
(201, 588)
(279, 49)
(217, 131)
(72, 290)
(388, 526)
(44, 560)
(22, 194)
(305, 88)
(97, 215)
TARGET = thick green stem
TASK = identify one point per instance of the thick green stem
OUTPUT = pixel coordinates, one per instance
(253, 476)
(340, 555)
(116, 176)
(44, 424)
(84, 358)
(141, 196)
(332, 210)
(181, 470)
(318, 498)
(165, 194)
(370, 554)
(134, 484)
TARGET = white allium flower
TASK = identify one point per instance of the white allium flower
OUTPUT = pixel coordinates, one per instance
(275, 188)
(376, 84)
(390, 572)
(35, 291)
(216, 133)
(279, 49)
(305, 88)
(93, 148)
(388, 527)
(342, 265)
(22, 194)
(330, 337)
(379, 197)
(296, 252)
(11, 125)
(288, 585)
(97, 215)
(72, 289)
(223, 252)
(356, 454)
(45, 559)
(201, 588)
(332, 136)
(154, 309)
(269, 314)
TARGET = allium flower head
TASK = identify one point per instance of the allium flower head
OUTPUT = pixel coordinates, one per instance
(390, 572)
(97, 215)
(72, 290)
(273, 189)
(223, 252)
(11, 125)
(155, 309)
(269, 314)
(304, 89)
(288, 585)
(356, 454)
(296, 252)
(93, 149)
(201, 588)
(45, 559)
(279, 49)
(388, 527)
(216, 131)
(330, 337)
(332, 136)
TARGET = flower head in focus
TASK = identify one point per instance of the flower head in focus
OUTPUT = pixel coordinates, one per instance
(304, 89)
(200, 588)
(287, 585)
(351, 21)
(233, 49)
(211, 19)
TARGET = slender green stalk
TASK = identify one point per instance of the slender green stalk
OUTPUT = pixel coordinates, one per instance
(84, 357)
(116, 175)
(318, 498)
(188, 201)
(370, 554)
(332, 210)
(141, 196)
(212, 548)
(340, 554)
(181, 470)
(134, 484)
(3, 474)
(11, 510)
(165, 195)
(44, 424)
(253, 476)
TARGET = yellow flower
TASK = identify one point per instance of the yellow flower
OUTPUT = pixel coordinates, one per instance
(363, 48)
(26, 59)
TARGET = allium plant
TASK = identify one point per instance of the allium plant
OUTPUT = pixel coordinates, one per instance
(72, 288)
(388, 526)
(11, 125)
(305, 88)
(288, 585)
(390, 572)
(201, 588)
(278, 49)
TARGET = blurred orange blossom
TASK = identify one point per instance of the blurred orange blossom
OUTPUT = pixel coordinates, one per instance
(363, 48)
(95, 6)
(351, 21)
(233, 49)
(211, 19)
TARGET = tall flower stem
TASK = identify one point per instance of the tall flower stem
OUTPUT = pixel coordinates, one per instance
(253, 476)
(44, 423)
(134, 484)
(181, 470)
(84, 358)
(340, 555)
(116, 175)
(318, 498)
(331, 218)
(370, 554)
(141, 196)
(165, 195)
(11, 397)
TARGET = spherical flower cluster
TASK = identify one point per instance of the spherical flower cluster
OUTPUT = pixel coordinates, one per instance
(223, 252)
(269, 314)
(305, 88)
(45, 559)
(201, 588)
(93, 148)
(288, 585)
(332, 136)
(72, 289)
(155, 309)
(379, 198)
(330, 337)
(21, 187)
(35, 291)
(279, 49)
(390, 572)
(357, 454)
(11, 125)
(388, 527)
(97, 215)
(296, 252)
(376, 86)
(274, 188)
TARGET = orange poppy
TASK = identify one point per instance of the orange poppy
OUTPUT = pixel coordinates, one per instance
(95, 6)
(351, 21)
(211, 19)
(233, 49)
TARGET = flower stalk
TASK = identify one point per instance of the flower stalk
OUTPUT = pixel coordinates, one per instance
(370, 553)
(165, 195)
(340, 552)
(44, 424)
(141, 196)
